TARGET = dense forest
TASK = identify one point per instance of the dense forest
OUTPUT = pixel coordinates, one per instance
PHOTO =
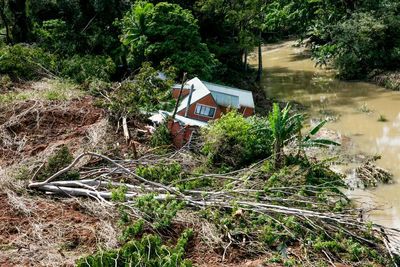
(207, 38)
(87, 179)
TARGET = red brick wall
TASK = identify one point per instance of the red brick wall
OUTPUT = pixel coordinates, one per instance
(247, 112)
(208, 101)
(180, 134)
(175, 92)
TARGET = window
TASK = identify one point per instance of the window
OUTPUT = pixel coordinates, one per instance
(205, 111)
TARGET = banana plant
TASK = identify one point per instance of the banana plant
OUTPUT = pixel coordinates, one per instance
(308, 141)
(286, 127)
(283, 128)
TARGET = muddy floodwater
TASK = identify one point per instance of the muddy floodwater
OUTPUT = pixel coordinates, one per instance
(354, 109)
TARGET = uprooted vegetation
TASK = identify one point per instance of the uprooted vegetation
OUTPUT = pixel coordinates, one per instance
(285, 210)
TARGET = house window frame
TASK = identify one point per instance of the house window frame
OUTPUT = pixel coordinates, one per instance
(198, 114)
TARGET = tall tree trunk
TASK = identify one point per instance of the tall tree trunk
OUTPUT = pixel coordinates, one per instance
(260, 65)
(179, 96)
(5, 21)
(20, 29)
(245, 60)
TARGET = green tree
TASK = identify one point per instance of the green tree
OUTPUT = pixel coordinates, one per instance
(360, 43)
(164, 31)
(146, 92)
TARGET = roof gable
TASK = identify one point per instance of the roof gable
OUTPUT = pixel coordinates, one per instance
(223, 95)
(245, 97)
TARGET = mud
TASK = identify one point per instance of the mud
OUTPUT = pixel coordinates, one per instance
(30, 127)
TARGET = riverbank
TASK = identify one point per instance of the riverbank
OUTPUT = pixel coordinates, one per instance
(388, 79)
(364, 116)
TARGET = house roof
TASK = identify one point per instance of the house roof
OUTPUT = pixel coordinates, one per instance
(161, 115)
(245, 97)
(223, 95)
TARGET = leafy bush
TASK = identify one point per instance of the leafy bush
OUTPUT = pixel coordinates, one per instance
(148, 92)
(162, 172)
(159, 213)
(88, 67)
(56, 162)
(26, 62)
(54, 35)
(161, 136)
(96, 87)
(5, 82)
(147, 251)
(236, 141)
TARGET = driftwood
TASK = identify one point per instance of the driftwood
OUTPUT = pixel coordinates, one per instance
(371, 175)
(97, 183)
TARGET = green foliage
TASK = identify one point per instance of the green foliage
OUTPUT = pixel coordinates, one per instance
(309, 141)
(147, 92)
(159, 213)
(119, 194)
(361, 45)
(284, 127)
(26, 62)
(5, 82)
(236, 141)
(161, 136)
(56, 162)
(165, 31)
(54, 35)
(23, 173)
(132, 230)
(87, 68)
(147, 251)
(161, 172)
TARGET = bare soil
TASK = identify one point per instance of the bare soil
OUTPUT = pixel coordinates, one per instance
(29, 127)
(44, 232)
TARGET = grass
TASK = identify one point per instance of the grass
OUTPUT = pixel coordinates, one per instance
(382, 118)
(50, 90)
(364, 108)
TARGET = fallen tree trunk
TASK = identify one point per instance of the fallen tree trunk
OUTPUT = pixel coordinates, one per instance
(248, 199)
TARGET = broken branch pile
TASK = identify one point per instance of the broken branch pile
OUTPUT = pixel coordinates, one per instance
(241, 193)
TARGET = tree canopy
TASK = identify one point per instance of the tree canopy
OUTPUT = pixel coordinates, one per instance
(166, 32)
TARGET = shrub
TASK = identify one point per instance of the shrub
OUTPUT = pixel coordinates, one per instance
(147, 251)
(160, 214)
(54, 35)
(59, 160)
(96, 87)
(161, 136)
(148, 92)
(26, 62)
(162, 172)
(88, 67)
(236, 141)
(5, 82)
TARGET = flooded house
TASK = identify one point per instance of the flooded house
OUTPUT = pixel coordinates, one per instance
(200, 103)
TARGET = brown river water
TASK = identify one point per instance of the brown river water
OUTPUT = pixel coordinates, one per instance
(354, 107)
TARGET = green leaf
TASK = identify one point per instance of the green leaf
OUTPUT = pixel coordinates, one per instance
(318, 127)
